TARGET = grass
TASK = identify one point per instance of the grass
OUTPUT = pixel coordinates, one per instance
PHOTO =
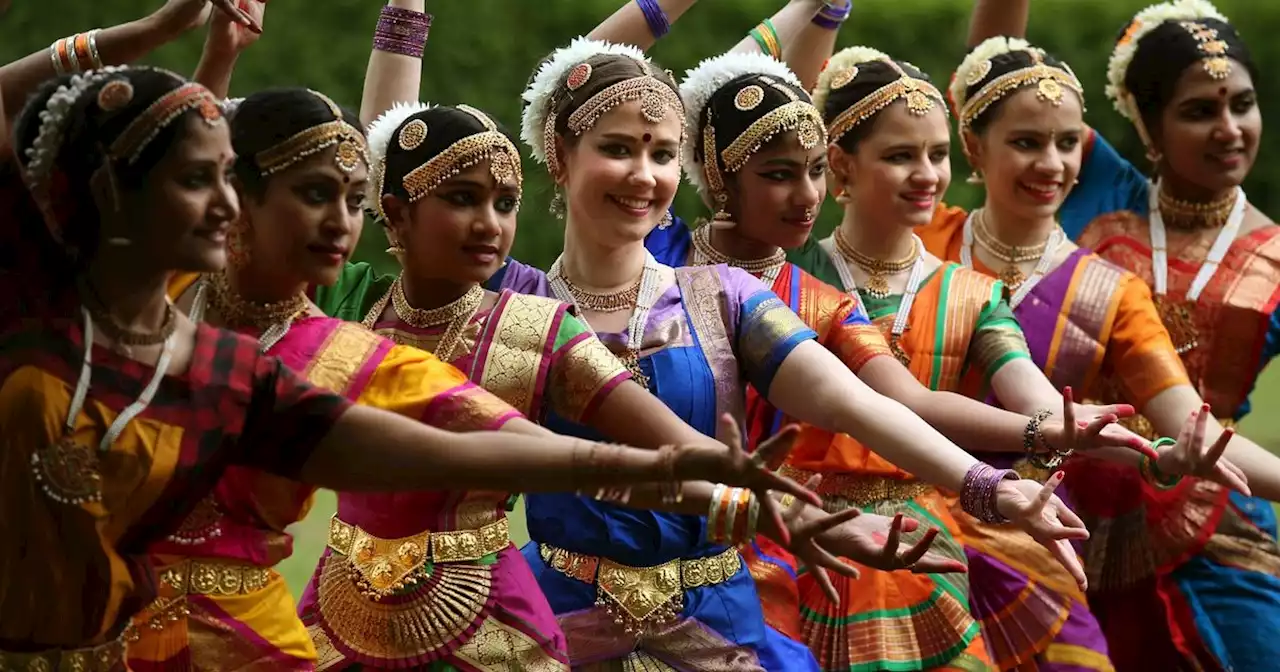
(310, 534)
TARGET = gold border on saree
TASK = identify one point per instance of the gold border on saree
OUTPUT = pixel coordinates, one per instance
(387, 565)
(860, 489)
(101, 658)
(646, 595)
(212, 577)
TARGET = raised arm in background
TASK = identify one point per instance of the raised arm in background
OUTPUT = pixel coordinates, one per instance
(227, 38)
(640, 23)
(993, 18)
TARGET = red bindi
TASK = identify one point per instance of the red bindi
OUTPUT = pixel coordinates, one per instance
(1222, 92)
(647, 138)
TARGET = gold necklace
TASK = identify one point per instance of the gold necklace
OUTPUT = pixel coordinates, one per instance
(455, 315)
(766, 267)
(1190, 215)
(122, 336)
(877, 270)
(1011, 255)
(615, 302)
(236, 311)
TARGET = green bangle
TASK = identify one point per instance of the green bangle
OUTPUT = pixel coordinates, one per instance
(1159, 479)
(766, 36)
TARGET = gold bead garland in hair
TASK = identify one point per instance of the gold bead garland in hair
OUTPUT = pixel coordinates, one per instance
(141, 131)
(921, 97)
(1213, 50)
(350, 142)
(1048, 80)
(490, 145)
(877, 284)
(1180, 214)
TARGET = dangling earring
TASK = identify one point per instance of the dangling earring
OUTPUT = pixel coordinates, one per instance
(842, 196)
(666, 221)
(237, 249)
(395, 250)
(722, 219)
(558, 207)
(1154, 155)
(975, 177)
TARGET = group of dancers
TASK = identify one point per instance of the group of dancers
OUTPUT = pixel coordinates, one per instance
(934, 440)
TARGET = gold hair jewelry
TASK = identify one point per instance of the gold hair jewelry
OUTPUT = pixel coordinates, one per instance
(1010, 255)
(490, 144)
(1180, 214)
(877, 270)
(1213, 51)
(1048, 80)
(412, 135)
(350, 142)
(749, 98)
(921, 98)
(236, 311)
(128, 146)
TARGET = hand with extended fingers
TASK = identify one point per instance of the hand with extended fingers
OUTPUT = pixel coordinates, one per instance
(1190, 456)
(1038, 512)
(1087, 427)
(230, 34)
(821, 541)
(179, 16)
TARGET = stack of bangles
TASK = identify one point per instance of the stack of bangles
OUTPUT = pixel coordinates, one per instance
(766, 36)
(732, 517)
(1149, 466)
(402, 31)
(76, 53)
(601, 457)
(1033, 435)
(659, 25)
(978, 494)
(833, 15)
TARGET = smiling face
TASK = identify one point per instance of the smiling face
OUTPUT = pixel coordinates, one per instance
(186, 204)
(620, 176)
(901, 169)
(308, 219)
(1209, 131)
(462, 231)
(1029, 153)
(775, 197)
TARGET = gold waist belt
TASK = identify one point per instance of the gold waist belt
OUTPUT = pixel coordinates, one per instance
(859, 489)
(102, 658)
(387, 565)
(212, 577)
(643, 597)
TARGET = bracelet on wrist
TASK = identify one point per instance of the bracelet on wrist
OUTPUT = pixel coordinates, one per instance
(1149, 468)
(732, 516)
(831, 16)
(1033, 434)
(402, 31)
(656, 17)
(980, 492)
(766, 36)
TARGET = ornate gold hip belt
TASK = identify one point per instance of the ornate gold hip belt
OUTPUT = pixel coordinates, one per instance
(643, 597)
(388, 565)
(213, 577)
(107, 657)
(859, 489)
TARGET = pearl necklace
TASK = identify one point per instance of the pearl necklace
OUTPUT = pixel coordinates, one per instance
(1048, 252)
(831, 244)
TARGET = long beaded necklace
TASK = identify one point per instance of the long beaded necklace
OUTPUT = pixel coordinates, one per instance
(877, 270)
(1178, 315)
(71, 473)
(833, 249)
(273, 319)
(1048, 252)
(704, 254)
(650, 280)
(977, 226)
(454, 316)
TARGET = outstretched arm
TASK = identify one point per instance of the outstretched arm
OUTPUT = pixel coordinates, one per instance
(640, 23)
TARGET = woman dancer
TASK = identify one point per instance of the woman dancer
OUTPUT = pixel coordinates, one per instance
(1183, 76)
(609, 128)
(128, 167)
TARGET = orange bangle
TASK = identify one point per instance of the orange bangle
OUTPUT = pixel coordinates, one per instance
(740, 526)
(81, 50)
(67, 65)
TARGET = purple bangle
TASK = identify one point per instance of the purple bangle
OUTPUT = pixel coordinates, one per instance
(402, 31)
(655, 17)
(978, 494)
(831, 18)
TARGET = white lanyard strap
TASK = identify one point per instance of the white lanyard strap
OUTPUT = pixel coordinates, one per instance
(1056, 238)
(1160, 246)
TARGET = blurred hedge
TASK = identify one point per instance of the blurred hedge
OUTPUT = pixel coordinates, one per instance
(481, 52)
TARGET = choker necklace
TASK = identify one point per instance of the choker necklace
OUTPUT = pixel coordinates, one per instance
(614, 302)
(877, 285)
(1055, 240)
(1190, 215)
(1011, 255)
(705, 254)
(272, 319)
(127, 338)
(454, 316)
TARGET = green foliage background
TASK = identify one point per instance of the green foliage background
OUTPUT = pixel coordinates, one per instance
(482, 52)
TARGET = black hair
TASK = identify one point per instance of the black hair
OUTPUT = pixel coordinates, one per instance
(87, 131)
(1163, 54)
(871, 76)
(728, 118)
(446, 125)
(606, 70)
(1003, 64)
(269, 117)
